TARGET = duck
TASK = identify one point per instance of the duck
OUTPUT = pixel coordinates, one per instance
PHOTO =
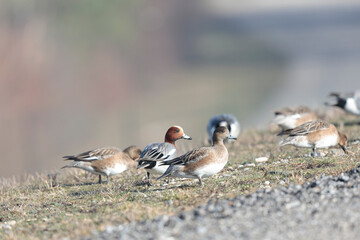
(105, 161)
(315, 134)
(154, 153)
(289, 118)
(201, 162)
(348, 101)
(225, 120)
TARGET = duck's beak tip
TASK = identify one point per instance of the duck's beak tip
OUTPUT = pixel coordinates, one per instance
(231, 137)
(344, 148)
(186, 137)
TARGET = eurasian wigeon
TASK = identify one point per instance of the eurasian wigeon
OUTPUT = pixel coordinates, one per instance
(350, 102)
(315, 134)
(201, 162)
(152, 154)
(289, 118)
(105, 161)
(225, 120)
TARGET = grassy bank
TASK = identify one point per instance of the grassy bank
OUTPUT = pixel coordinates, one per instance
(72, 205)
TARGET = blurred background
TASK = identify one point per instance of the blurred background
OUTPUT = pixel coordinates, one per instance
(76, 75)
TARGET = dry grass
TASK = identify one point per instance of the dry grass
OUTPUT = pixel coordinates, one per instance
(72, 206)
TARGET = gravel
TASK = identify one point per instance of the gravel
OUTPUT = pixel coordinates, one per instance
(326, 208)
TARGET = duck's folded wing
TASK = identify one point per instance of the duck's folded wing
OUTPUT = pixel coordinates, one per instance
(307, 128)
(95, 154)
(189, 157)
(158, 152)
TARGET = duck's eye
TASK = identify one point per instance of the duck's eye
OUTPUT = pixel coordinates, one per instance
(177, 130)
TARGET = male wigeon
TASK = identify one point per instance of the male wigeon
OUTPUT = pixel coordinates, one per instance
(105, 161)
(288, 118)
(203, 161)
(315, 134)
(350, 102)
(225, 120)
(152, 154)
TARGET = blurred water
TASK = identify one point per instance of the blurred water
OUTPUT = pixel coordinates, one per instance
(76, 76)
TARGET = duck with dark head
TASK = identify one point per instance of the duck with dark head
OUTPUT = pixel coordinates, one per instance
(154, 153)
(201, 162)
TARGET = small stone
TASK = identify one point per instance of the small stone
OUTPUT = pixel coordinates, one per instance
(169, 202)
(109, 229)
(246, 169)
(261, 159)
(201, 230)
(250, 165)
(322, 154)
(11, 223)
(344, 178)
(292, 204)
(267, 183)
(6, 227)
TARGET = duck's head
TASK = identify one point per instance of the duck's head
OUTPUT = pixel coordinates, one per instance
(337, 102)
(343, 142)
(175, 133)
(133, 152)
(222, 133)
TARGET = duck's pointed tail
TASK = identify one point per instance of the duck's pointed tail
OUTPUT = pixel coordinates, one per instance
(82, 165)
(73, 165)
(145, 163)
(285, 141)
(167, 173)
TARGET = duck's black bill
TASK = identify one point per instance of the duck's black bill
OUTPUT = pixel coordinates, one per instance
(231, 137)
(344, 148)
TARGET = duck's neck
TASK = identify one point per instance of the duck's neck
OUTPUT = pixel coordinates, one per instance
(129, 161)
(217, 142)
(171, 141)
(132, 163)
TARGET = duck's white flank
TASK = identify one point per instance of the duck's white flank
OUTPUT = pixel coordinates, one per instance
(324, 142)
(210, 169)
(287, 121)
(351, 106)
(118, 168)
(157, 170)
